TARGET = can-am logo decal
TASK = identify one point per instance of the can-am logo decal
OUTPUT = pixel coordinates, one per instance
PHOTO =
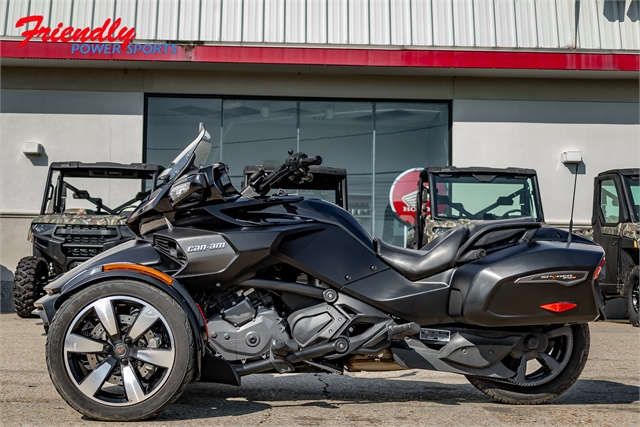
(108, 39)
(209, 247)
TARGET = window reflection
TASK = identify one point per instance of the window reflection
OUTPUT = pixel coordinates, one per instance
(374, 151)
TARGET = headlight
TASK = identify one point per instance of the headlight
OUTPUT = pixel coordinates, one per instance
(178, 190)
(41, 228)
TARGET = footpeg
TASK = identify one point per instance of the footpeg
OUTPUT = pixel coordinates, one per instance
(400, 332)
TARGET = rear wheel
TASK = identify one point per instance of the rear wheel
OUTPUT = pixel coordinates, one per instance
(633, 297)
(541, 376)
(28, 284)
(120, 350)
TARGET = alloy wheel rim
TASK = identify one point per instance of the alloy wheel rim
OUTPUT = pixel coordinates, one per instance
(635, 297)
(119, 351)
(534, 368)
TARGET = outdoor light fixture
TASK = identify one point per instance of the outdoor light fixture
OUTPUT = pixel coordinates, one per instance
(328, 113)
(264, 111)
(571, 157)
(32, 148)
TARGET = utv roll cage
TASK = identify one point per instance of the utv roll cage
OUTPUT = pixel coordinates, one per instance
(105, 170)
(481, 173)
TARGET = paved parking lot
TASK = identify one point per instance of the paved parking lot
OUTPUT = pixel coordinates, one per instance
(607, 394)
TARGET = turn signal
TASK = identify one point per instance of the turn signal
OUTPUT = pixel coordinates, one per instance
(167, 280)
(559, 307)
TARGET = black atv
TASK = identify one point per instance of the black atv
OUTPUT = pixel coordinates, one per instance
(63, 237)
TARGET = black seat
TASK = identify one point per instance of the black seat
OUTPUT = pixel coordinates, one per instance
(439, 255)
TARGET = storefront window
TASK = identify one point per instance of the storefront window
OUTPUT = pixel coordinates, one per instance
(373, 141)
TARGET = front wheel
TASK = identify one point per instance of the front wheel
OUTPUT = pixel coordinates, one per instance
(541, 376)
(633, 297)
(120, 350)
(28, 284)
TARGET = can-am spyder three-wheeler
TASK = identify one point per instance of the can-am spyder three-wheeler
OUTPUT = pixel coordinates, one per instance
(221, 284)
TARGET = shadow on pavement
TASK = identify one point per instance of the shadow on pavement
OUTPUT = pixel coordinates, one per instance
(205, 400)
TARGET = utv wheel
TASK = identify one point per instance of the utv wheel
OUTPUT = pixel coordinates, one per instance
(633, 297)
(541, 376)
(120, 350)
(28, 283)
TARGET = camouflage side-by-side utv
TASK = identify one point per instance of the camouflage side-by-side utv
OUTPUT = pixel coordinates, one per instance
(64, 236)
(616, 227)
(452, 196)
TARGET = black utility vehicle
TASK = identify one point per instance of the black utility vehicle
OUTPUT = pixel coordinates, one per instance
(221, 284)
(64, 237)
(616, 227)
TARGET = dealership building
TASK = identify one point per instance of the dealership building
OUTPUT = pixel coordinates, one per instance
(373, 86)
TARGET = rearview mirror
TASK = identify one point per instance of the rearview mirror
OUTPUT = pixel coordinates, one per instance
(81, 194)
(504, 201)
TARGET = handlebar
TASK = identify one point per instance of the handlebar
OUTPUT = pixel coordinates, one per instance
(295, 167)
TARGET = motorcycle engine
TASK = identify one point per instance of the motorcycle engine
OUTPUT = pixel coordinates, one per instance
(245, 326)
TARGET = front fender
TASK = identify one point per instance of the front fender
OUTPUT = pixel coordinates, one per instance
(49, 304)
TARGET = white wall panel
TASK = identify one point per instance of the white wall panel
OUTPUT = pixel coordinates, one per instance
(442, 18)
(252, 26)
(526, 23)
(358, 22)
(529, 24)
(146, 19)
(104, 9)
(463, 31)
(484, 23)
(610, 13)
(210, 20)
(189, 20)
(125, 10)
(380, 22)
(4, 9)
(505, 15)
(168, 19)
(274, 21)
(42, 7)
(630, 26)
(566, 14)
(295, 16)
(338, 21)
(547, 23)
(232, 20)
(588, 26)
(421, 23)
(317, 21)
(17, 10)
(401, 22)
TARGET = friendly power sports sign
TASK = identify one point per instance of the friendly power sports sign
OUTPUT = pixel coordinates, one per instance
(111, 38)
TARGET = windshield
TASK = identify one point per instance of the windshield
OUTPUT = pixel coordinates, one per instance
(198, 150)
(485, 197)
(633, 185)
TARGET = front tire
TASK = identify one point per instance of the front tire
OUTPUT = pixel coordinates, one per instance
(559, 368)
(120, 350)
(28, 284)
(633, 297)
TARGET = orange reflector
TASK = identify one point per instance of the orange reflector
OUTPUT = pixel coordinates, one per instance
(597, 273)
(559, 307)
(167, 280)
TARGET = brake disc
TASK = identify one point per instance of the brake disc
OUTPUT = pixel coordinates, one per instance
(149, 339)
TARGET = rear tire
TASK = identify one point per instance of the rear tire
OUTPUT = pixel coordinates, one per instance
(633, 297)
(515, 394)
(130, 342)
(28, 284)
